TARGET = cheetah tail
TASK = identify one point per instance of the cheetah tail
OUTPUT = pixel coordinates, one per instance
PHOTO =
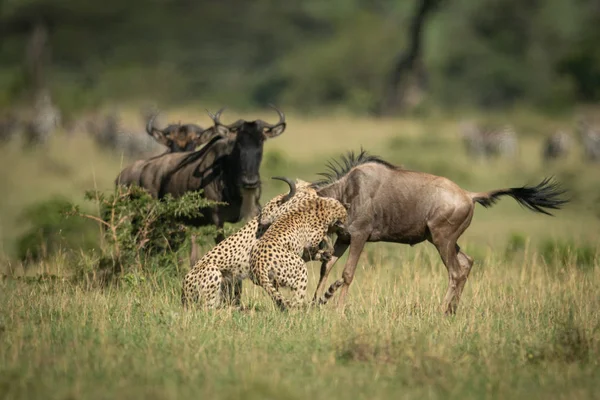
(275, 295)
(331, 291)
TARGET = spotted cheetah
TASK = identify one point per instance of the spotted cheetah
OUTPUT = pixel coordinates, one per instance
(206, 281)
(275, 260)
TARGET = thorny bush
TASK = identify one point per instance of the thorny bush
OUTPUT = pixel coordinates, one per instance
(141, 233)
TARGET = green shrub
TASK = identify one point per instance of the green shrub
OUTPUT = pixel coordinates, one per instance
(562, 253)
(142, 233)
(51, 230)
(569, 343)
(274, 160)
(516, 243)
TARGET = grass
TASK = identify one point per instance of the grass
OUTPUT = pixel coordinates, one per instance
(528, 325)
(520, 333)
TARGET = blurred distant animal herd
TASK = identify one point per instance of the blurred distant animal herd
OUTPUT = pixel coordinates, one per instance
(481, 141)
(485, 141)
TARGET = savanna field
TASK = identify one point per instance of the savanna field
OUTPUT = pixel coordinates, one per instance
(528, 325)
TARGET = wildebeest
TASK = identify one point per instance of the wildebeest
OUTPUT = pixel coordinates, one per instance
(173, 139)
(556, 146)
(176, 137)
(590, 140)
(389, 204)
(484, 142)
(226, 169)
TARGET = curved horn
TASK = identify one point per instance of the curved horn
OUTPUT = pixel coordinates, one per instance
(150, 125)
(280, 113)
(216, 117)
(281, 118)
(290, 183)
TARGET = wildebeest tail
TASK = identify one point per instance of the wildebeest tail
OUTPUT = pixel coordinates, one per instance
(546, 195)
(331, 291)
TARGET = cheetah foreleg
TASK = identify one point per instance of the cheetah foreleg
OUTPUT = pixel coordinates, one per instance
(325, 251)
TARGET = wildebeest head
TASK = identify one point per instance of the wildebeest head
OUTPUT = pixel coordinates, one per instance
(249, 139)
(178, 137)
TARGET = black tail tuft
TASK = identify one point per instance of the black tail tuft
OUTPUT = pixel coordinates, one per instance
(546, 195)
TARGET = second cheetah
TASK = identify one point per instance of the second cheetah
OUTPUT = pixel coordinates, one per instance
(275, 260)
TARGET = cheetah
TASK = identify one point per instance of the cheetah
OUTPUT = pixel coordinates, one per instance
(275, 260)
(206, 282)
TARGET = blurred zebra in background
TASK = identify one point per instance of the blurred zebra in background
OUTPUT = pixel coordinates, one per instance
(485, 142)
(9, 126)
(108, 132)
(557, 146)
(590, 140)
(45, 120)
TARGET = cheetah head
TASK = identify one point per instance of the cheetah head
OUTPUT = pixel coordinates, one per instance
(300, 191)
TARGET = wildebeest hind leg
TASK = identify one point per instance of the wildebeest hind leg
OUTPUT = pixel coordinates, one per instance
(466, 263)
(447, 251)
(445, 231)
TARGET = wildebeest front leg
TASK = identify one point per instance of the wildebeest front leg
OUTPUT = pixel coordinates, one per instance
(356, 247)
(339, 248)
(218, 223)
(195, 251)
(232, 286)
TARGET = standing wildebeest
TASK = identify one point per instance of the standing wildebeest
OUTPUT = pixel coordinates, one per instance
(226, 169)
(556, 146)
(389, 204)
(176, 137)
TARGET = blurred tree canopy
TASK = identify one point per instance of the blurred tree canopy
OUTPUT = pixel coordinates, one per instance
(305, 54)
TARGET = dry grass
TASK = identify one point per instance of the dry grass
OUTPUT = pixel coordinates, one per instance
(525, 329)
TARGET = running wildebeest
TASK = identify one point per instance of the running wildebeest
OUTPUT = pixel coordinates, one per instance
(226, 169)
(386, 203)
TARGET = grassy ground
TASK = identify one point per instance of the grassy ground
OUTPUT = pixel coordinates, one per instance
(528, 325)
(522, 332)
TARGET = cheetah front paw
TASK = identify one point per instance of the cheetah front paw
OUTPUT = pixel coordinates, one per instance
(323, 255)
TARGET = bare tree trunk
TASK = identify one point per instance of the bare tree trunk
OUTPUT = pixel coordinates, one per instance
(37, 58)
(45, 117)
(407, 61)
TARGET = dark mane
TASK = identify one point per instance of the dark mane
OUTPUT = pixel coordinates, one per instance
(337, 169)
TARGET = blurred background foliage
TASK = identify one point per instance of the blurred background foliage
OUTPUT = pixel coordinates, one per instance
(440, 66)
(305, 55)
